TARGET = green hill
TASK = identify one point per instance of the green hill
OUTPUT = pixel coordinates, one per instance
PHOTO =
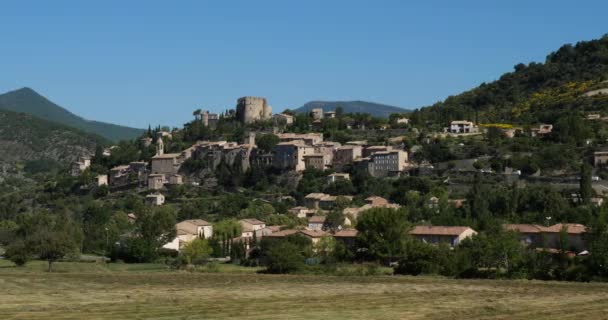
(375, 109)
(28, 101)
(532, 93)
(24, 138)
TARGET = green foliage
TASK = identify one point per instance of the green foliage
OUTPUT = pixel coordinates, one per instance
(383, 233)
(196, 251)
(267, 142)
(284, 257)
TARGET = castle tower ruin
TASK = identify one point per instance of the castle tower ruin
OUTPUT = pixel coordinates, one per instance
(250, 109)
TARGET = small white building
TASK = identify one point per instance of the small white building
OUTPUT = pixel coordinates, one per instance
(102, 180)
(462, 126)
(156, 199)
(316, 222)
(337, 177)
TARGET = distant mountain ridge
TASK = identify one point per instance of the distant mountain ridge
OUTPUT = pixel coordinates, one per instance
(26, 100)
(375, 109)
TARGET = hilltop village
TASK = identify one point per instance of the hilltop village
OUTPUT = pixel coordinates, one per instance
(315, 175)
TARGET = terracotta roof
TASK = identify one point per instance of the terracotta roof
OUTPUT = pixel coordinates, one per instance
(523, 228)
(438, 230)
(313, 233)
(346, 233)
(252, 221)
(571, 228)
(197, 222)
(282, 233)
(316, 219)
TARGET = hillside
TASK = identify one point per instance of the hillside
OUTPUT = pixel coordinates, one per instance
(375, 109)
(536, 92)
(28, 101)
(25, 138)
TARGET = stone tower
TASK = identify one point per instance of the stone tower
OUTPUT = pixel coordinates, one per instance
(160, 147)
(250, 109)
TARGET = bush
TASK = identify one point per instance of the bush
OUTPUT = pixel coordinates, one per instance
(17, 253)
(284, 257)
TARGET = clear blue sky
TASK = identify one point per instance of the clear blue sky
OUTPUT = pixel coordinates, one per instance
(140, 62)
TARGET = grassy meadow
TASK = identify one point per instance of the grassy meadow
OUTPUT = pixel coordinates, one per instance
(151, 291)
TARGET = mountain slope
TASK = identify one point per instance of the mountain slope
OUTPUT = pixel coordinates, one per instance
(28, 101)
(537, 92)
(25, 138)
(375, 109)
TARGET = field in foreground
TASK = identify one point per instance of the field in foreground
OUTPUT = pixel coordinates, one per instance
(91, 291)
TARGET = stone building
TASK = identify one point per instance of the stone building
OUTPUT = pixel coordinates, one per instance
(250, 109)
(310, 139)
(345, 155)
(282, 118)
(155, 199)
(290, 155)
(387, 163)
(156, 181)
(79, 166)
(317, 113)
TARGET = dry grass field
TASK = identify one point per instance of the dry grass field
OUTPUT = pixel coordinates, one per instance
(92, 291)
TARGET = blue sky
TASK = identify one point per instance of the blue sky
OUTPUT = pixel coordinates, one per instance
(141, 62)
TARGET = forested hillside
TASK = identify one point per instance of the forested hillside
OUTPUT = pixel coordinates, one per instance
(24, 138)
(536, 92)
(28, 101)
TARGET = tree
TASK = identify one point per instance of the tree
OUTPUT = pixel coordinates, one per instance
(18, 253)
(586, 189)
(284, 257)
(383, 233)
(196, 251)
(267, 142)
(51, 237)
(334, 220)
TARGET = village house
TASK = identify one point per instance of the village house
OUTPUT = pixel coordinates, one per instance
(537, 236)
(335, 177)
(315, 161)
(119, 175)
(368, 151)
(301, 212)
(282, 234)
(198, 227)
(345, 155)
(283, 118)
(542, 130)
(166, 164)
(403, 120)
(187, 231)
(600, 158)
(156, 199)
(441, 234)
(329, 114)
(348, 237)
(316, 222)
(156, 181)
(101, 180)
(322, 200)
(352, 213)
(314, 235)
(529, 234)
(309, 139)
(290, 155)
(317, 113)
(79, 166)
(462, 126)
(250, 227)
(386, 164)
